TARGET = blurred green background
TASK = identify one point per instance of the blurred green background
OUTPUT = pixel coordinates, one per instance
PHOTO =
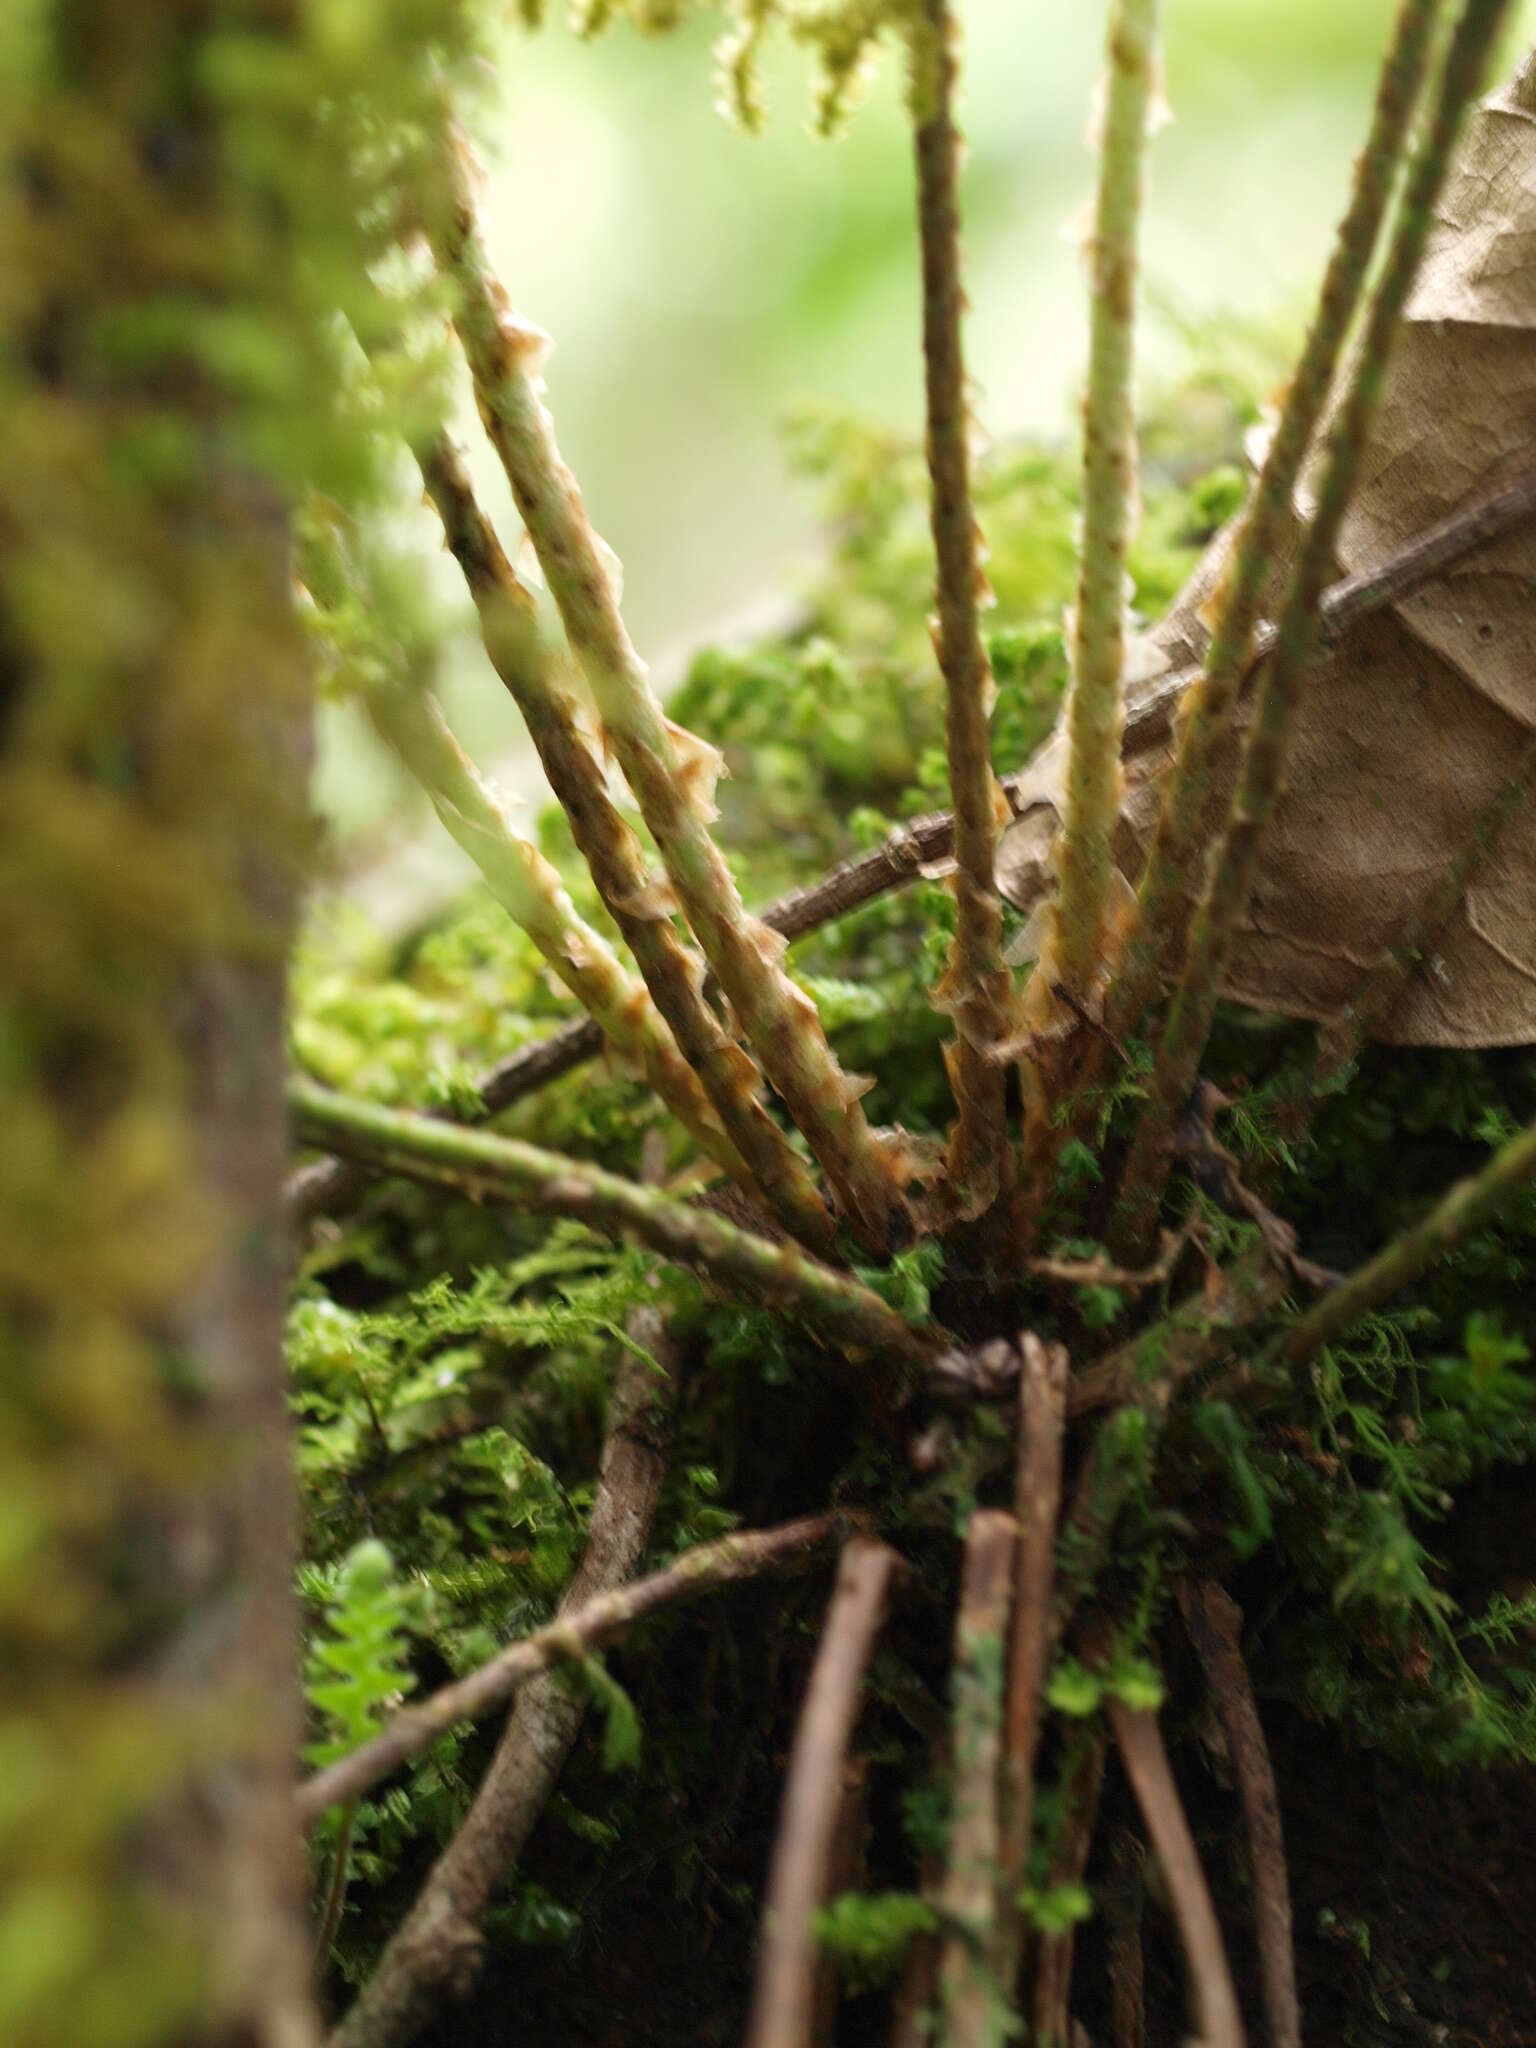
(700, 283)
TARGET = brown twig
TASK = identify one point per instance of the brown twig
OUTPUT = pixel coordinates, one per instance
(1037, 1506)
(1425, 555)
(844, 1872)
(783, 2000)
(437, 1949)
(1052, 1999)
(1105, 1273)
(972, 2002)
(1421, 559)
(327, 1186)
(579, 1630)
(1215, 1625)
(1140, 1744)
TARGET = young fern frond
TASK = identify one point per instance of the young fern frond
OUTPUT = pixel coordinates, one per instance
(529, 888)
(1185, 820)
(978, 985)
(638, 904)
(671, 773)
(492, 1168)
(1078, 943)
(1261, 772)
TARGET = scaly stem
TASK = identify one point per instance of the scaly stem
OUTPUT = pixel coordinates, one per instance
(505, 1169)
(329, 1184)
(1467, 1207)
(639, 906)
(530, 890)
(978, 985)
(1109, 499)
(1077, 948)
(1185, 820)
(671, 773)
(1261, 774)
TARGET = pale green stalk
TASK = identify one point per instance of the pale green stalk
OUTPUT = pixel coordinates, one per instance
(1261, 774)
(978, 986)
(492, 1168)
(1080, 942)
(974, 2009)
(1097, 711)
(639, 905)
(530, 890)
(671, 773)
(1185, 821)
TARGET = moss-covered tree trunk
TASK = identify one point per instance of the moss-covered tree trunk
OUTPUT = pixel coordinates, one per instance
(153, 734)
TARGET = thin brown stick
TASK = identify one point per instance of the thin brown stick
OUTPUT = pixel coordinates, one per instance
(1052, 1995)
(978, 985)
(1105, 1273)
(1037, 1506)
(1423, 556)
(844, 1873)
(972, 2003)
(784, 1997)
(1421, 559)
(436, 1951)
(1215, 1625)
(328, 1186)
(577, 1632)
(1140, 1743)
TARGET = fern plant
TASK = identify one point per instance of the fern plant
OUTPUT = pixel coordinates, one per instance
(865, 1232)
(1053, 1342)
